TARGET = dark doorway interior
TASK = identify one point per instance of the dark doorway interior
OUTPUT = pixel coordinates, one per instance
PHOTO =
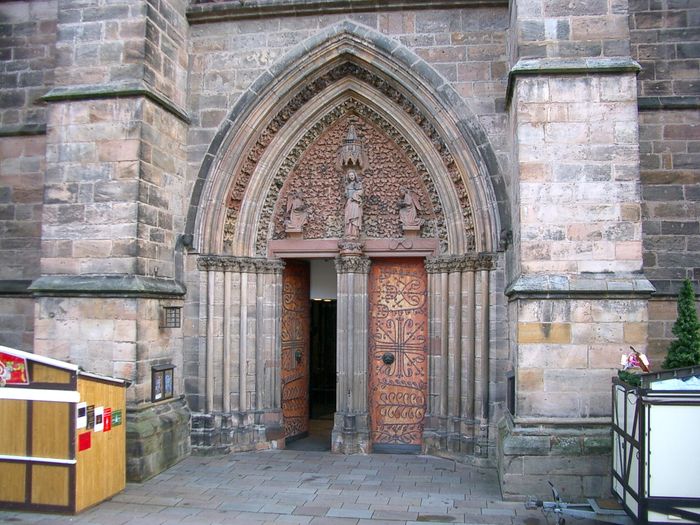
(322, 376)
(322, 373)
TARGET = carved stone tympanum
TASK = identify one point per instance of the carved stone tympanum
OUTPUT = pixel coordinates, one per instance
(331, 197)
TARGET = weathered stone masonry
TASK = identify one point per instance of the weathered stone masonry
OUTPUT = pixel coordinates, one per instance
(145, 148)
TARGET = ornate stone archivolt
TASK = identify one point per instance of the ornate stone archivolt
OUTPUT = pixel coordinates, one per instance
(239, 264)
(434, 228)
(460, 263)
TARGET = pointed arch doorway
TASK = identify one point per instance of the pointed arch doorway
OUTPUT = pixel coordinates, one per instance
(276, 188)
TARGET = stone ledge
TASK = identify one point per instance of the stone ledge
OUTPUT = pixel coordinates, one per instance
(15, 287)
(106, 286)
(116, 90)
(593, 285)
(568, 66)
(210, 11)
(661, 103)
(23, 130)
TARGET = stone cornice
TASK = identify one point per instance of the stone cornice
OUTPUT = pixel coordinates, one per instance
(230, 263)
(568, 66)
(16, 287)
(669, 102)
(352, 264)
(114, 90)
(209, 11)
(460, 263)
(593, 285)
(22, 130)
(106, 286)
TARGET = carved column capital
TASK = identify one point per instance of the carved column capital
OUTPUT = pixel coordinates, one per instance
(460, 263)
(352, 264)
(229, 263)
(275, 266)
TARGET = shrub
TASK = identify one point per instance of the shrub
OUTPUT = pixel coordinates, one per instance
(685, 350)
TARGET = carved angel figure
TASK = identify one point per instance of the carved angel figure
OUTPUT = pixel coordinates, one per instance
(353, 206)
(409, 206)
(297, 212)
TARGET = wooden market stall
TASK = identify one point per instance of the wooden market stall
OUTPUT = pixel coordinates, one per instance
(62, 434)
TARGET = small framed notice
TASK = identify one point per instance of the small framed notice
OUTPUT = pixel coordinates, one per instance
(162, 382)
(81, 416)
(99, 419)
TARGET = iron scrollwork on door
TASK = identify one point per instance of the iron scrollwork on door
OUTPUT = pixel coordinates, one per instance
(398, 350)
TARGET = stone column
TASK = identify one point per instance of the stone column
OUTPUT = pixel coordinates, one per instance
(351, 429)
(451, 423)
(242, 409)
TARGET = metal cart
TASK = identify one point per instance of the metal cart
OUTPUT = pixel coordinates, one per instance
(656, 455)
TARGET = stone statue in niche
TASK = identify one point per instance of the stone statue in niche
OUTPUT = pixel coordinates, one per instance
(297, 212)
(353, 205)
(409, 206)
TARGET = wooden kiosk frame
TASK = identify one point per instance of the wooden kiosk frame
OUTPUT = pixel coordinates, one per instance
(62, 434)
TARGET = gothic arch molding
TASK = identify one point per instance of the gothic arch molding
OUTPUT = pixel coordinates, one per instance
(422, 106)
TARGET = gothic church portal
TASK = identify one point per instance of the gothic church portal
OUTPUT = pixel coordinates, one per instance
(354, 166)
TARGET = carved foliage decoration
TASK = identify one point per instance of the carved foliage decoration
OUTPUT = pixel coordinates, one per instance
(242, 177)
(323, 185)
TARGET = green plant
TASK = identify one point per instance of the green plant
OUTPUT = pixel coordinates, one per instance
(629, 377)
(685, 350)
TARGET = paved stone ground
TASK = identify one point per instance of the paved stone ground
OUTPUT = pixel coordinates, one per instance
(302, 487)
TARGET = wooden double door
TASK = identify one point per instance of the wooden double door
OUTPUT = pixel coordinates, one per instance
(397, 346)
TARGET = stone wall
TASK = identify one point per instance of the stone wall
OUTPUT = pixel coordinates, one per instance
(579, 299)
(27, 59)
(27, 62)
(113, 208)
(664, 41)
(554, 29)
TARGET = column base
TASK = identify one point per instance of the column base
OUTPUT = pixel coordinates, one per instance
(575, 457)
(219, 433)
(452, 437)
(157, 437)
(351, 434)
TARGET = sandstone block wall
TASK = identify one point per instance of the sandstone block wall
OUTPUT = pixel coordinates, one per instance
(579, 193)
(27, 62)
(551, 28)
(664, 41)
(578, 298)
